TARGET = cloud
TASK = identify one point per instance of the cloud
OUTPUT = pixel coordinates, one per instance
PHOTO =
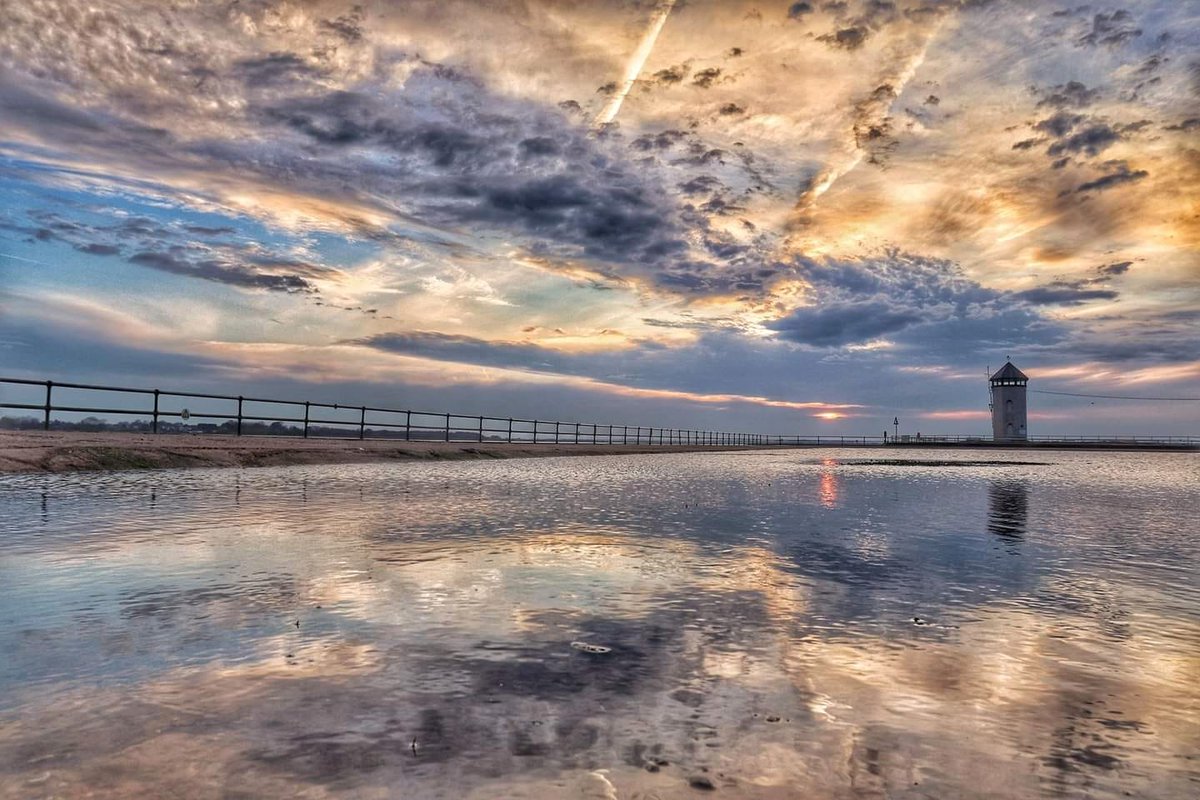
(1189, 124)
(671, 75)
(798, 11)
(1116, 268)
(705, 78)
(1111, 29)
(175, 248)
(1122, 175)
(1064, 294)
(907, 299)
(850, 38)
(1059, 124)
(270, 152)
(1092, 140)
(274, 68)
(1072, 94)
(840, 325)
(181, 262)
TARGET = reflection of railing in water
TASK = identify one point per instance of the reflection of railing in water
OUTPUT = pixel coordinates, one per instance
(371, 423)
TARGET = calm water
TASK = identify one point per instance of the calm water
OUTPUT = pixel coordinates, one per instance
(783, 624)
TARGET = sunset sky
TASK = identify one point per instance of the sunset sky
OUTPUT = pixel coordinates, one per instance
(787, 217)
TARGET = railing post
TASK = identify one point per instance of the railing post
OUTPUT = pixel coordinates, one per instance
(239, 416)
(510, 430)
(576, 433)
(535, 424)
(305, 419)
(447, 427)
(46, 417)
(480, 428)
(362, 423)
(556, 432)
(407, 426)
(154, 424)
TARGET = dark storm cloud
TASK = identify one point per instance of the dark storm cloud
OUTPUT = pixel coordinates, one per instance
(671, 75)
(1091, 140)
(1116, 268)
(97, 249)
(705, 78)
(850, 38)
(1064, 294)
(555, 185)
(206, 230)
(663, 140)
(893, 296)
(1112, 28)
(180, 262)
(1121, 175)
(273, 68)
(701, 184)
(538, 146)
(1072, 94)
(348, 26)
(839, 325)
(173, 248)
(35, 105)
(799, 10)
(471, 350)
(1059, 124)
(1189, 124)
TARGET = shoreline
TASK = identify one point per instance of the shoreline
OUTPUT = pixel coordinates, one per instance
(75, 451)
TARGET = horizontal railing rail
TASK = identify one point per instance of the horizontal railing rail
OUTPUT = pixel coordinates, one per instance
(417, 425)
(371, 422)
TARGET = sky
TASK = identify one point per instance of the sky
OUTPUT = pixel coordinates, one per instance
(805, 217)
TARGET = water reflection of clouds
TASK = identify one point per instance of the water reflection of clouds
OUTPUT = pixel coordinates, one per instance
(792, 664)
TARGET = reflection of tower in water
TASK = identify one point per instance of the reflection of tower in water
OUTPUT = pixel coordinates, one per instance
(1008, 509)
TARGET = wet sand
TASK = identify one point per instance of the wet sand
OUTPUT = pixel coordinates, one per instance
(71, 451)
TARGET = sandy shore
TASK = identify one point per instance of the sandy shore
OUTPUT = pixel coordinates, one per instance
(63, 451)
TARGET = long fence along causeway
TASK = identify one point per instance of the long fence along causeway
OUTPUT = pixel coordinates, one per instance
(71, 406)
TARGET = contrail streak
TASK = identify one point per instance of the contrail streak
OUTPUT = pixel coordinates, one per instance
(876, 108)
(636, 63)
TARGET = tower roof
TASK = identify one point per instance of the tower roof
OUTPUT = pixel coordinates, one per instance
(1009, 373)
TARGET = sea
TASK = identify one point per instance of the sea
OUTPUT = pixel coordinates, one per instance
(793, 623)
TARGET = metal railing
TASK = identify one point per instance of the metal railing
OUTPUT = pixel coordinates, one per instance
(416, 425)
(369, 422)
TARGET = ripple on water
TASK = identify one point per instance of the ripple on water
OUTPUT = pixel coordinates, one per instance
(760, 624)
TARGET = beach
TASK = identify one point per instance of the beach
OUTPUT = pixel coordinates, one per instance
(71, 451)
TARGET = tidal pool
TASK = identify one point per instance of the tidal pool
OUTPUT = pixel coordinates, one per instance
(759, 624)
